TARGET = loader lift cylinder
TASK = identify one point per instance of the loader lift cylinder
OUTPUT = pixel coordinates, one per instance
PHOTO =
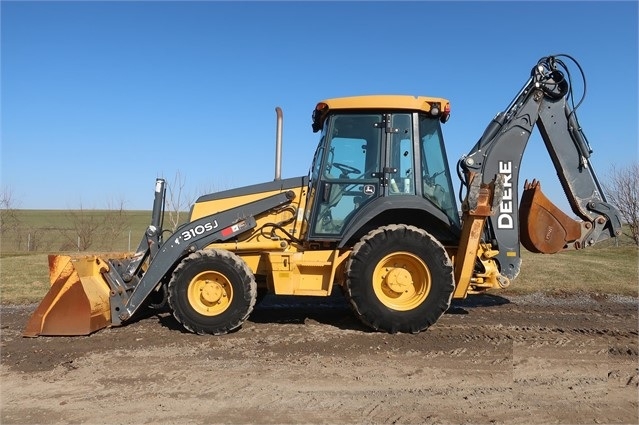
(150, 243)
(158, 203)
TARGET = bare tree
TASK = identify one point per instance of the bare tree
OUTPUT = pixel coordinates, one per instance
(95, 229)
(6, 198)
(8, 216)
(114, 223)
(622, 190)
(84, 226)
(178, 202)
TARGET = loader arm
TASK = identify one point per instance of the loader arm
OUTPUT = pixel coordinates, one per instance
(89, 293)
(127, 297)
(536, 223)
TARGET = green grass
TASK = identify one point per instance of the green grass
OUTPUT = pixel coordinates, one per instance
(24, 247)
(609, 270)
(53, 230)
(23, 278)
(603, 269)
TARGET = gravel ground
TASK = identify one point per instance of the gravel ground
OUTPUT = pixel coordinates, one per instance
(490, 359)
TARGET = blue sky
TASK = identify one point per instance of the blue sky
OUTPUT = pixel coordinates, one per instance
(100, 98)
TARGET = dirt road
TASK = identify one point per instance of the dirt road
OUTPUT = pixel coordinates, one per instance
(492, 360)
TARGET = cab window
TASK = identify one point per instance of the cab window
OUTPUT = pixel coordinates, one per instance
(401, 155)
(436, 179)
(346, 182)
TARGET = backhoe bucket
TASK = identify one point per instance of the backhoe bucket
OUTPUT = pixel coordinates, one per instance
(544, 228)
(77, 302)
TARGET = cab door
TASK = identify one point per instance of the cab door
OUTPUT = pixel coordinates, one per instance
(349, 173)
(400, 155)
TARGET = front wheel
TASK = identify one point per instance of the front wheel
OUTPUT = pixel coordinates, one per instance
(399, 278)
(212, 292)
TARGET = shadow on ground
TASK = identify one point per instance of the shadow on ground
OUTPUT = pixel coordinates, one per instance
(476, 301)
(332, 310)
(335, 311)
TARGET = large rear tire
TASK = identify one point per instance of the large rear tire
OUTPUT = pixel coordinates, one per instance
(212, 292)
(399, 278)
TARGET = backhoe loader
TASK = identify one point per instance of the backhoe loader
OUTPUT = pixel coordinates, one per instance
(376, 216)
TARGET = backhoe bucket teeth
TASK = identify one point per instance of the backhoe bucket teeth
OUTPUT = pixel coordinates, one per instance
(544, 228)
(77, 302)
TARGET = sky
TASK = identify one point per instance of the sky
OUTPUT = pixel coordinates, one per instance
(98, 99)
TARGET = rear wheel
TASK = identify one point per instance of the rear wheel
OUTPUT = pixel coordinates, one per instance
(212, 292)
(399, 279)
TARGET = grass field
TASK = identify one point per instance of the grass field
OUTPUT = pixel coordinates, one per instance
(23, 278)
(58, 230)
(607, 270)
(603, 269)
(611, 270)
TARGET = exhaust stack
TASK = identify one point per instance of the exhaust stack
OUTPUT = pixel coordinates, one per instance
(278, 145)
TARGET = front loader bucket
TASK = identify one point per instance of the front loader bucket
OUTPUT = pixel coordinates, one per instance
(544, 228)
(77, 302)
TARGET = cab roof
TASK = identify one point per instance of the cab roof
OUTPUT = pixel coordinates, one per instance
(437, 106)
(421, 103)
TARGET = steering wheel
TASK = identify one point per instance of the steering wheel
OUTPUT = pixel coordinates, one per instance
(346, 169)
(430, 180)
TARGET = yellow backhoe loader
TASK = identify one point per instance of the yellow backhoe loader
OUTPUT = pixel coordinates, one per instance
(376, 215)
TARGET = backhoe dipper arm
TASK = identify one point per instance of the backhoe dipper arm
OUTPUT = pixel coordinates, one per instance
(543, 101)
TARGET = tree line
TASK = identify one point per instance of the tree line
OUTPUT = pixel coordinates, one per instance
(87, 230)
(84, 229)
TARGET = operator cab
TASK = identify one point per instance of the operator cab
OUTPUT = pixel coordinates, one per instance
(379, 155)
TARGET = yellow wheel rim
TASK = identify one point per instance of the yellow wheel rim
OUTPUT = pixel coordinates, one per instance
(401, 281)
(210, 293)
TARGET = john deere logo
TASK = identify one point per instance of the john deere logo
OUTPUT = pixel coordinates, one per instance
(369, 189)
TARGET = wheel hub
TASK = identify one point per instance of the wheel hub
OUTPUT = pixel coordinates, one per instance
(398, 280)
(211, 292)
(401, 280)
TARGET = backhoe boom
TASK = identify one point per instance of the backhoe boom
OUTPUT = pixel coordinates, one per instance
(536, 222)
